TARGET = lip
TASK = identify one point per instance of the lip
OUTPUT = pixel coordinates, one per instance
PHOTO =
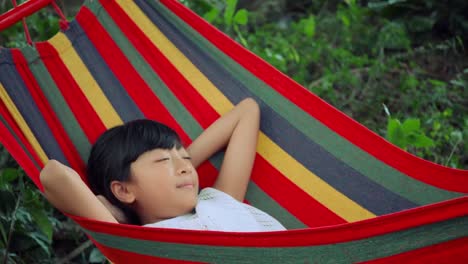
(186, 185)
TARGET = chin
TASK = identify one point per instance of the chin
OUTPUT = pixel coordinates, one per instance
(191, 207)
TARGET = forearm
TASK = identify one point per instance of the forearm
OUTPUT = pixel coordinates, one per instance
(64, 188)
(238, 129)
(239, 157)
(218, 134)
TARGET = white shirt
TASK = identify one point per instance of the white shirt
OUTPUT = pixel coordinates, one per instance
(218, 211)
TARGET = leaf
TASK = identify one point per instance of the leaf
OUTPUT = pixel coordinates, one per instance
(8, 175)
(40, 240)
(393, 36)
(437, 83)
(377, 5)
(459, 83)
(211, 15)
(409, 82)
(344, 18)
(423, 141)
(383, 4)
(457, 135)
(229, 11)
(241, 17)
(241, 38)
(420, 23)
(395, 133)
(39, 216)
(294, 54)
(96, 256)
(309, 26)
(411, 125)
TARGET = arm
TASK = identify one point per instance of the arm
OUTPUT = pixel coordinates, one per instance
(64, 188)
(238, 131)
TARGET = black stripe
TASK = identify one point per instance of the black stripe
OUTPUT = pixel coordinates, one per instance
(106, 79)
(17, 139)
(20, 95)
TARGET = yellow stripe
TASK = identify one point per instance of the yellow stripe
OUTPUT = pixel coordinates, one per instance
(287, 165)
(22, 124)
(311, 183)
(191, 73)
(85, 81)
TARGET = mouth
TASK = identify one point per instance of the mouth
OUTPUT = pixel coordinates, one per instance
(186, 185)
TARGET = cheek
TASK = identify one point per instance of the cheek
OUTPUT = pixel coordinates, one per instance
(195, 175)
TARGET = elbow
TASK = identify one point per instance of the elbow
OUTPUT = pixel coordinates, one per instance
(251, 106)
(47, 173)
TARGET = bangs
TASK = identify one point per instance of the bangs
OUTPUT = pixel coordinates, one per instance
(146, 135)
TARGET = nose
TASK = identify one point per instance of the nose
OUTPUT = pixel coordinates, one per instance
(183, 166)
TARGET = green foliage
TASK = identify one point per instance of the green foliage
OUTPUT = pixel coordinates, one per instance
(408, 133)
(440, 18)
(42, 26)
(96, 256)
(228, 18)
(31, 231)
(24, 223)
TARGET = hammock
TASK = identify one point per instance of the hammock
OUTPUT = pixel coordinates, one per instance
(345, 194)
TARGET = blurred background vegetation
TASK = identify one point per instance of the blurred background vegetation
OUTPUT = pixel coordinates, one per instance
(399, 67)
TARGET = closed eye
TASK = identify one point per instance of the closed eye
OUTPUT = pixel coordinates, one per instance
(187, 158)
(161, 160)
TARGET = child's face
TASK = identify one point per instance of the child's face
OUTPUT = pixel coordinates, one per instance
(165, 184)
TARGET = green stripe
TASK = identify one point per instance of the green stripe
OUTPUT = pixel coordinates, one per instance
(263, 201)
(342, 149)
(183, 117)
(57, 102)
(170, 102)
(346, 252)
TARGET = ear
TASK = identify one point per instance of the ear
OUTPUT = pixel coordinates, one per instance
(122, 192)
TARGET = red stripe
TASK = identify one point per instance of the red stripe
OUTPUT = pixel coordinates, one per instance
(48, 113)
(16, 150)
(428, 172)
(264, 174)
(412, 218)
(136, 87)
(79, 104)
(291, 197)
(452, 252)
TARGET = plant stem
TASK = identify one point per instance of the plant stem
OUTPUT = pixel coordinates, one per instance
(75, 252)
(10, 232)
(453, 151)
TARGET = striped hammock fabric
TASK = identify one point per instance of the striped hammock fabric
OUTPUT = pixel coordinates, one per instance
(344, 193)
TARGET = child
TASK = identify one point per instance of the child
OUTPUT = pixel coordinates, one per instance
(143, 175)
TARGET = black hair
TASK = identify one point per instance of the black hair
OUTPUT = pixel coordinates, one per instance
(115, 150)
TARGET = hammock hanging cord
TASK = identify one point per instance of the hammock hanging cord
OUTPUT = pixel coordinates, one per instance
(25, 26)
(20, 12)
(63, 20)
